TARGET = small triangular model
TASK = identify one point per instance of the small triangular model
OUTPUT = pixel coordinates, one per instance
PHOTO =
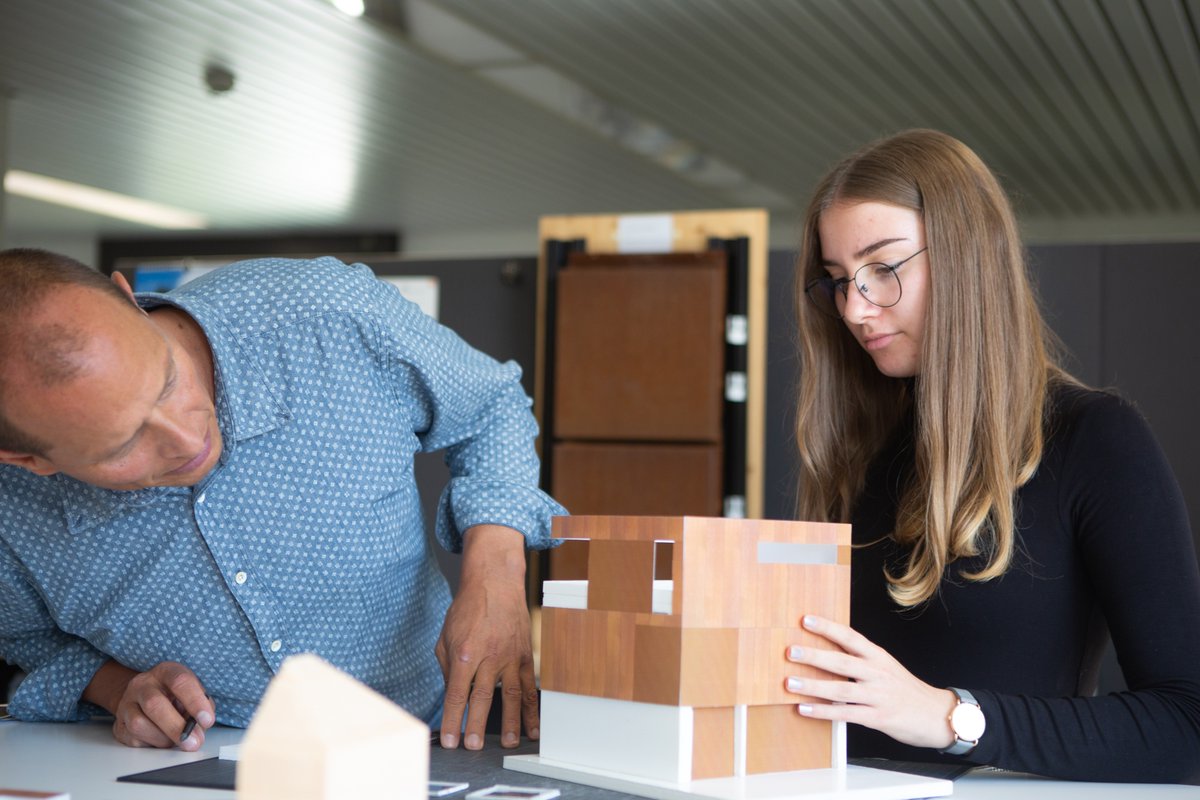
(319, 734)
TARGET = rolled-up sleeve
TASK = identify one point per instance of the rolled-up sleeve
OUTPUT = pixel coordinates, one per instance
(59, 666)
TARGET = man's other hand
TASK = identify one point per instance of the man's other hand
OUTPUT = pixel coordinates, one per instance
(485, 640)
(152, 707)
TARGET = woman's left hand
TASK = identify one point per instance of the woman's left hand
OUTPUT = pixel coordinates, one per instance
(880, 694)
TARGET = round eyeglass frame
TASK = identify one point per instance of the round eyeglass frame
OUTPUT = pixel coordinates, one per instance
(829, 286)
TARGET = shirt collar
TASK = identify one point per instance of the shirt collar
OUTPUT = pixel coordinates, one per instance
(247, 404)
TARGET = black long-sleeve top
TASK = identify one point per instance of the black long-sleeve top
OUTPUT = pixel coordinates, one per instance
(1104, 545)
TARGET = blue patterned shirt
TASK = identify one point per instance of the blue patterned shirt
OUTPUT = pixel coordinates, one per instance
(308, 534)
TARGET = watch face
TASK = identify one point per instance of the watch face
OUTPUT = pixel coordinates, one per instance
(967, 721)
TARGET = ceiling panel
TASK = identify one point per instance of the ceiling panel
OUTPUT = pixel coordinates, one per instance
(1088, 109)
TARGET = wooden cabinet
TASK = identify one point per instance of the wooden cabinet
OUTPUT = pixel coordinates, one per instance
(639, 478)
(650, 373)
(639, 348)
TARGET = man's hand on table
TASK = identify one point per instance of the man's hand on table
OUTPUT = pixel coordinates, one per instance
(151, 708)
(486, 639)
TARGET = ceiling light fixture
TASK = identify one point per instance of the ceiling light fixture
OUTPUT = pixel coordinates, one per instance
(351, 8)
(100, 201)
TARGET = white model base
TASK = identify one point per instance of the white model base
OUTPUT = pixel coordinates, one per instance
(860, 783)
(649, 741)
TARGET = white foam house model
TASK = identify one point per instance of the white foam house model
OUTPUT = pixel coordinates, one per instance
(319, 734)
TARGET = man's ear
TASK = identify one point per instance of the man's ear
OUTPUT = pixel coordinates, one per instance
(122, 284)
(27, 461)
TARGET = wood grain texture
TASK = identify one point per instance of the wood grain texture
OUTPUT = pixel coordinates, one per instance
(588, 652)
(763, 666)
(634, 528)
(635, 479)
(620, 575)
(710, 672)
(778, 739)
(712, 743)
(640, 354)
(720, 557)
(657, 660)
(568, 561)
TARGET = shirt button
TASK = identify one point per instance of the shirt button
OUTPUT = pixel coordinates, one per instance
(200, 499)
(275, 645)
(239, 578)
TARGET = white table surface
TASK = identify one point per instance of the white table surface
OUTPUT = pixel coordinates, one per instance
(85, 760)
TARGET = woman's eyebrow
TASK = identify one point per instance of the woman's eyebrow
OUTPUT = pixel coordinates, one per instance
(866, 251)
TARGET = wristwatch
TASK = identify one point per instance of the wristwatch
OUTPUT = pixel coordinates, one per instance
(967, 722)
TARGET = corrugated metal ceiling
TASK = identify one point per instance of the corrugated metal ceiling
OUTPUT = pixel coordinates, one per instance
(1089, 109)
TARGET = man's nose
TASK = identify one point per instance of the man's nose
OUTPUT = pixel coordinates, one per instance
(179, 438)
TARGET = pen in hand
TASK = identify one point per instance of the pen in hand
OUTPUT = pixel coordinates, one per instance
(188, 725)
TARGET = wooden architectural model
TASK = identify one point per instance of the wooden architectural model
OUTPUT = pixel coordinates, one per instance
(321, 735)
(675, 688)
(710, 667)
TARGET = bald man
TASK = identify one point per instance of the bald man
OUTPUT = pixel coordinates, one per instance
(195, 485)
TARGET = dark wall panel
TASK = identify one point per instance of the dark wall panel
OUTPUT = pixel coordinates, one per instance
(1151, 329)
(1068, 282)
(779, 469)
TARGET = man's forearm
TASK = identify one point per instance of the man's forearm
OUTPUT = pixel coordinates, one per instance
(108, 685)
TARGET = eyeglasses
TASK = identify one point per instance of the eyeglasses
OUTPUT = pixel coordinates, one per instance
(877, 283)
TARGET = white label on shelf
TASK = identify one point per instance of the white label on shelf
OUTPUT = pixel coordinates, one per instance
(735, 506)
(735, 387)
(645, 233)
(737, 329)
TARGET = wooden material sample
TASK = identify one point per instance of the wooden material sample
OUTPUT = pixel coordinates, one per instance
(319, 734)
(592, 652)
(658, 654)
(710, 672)
(639, 353)
(762, 653)
(778, 739)
(569, 561)
(712, 743)
(620, 576)
(637, 479)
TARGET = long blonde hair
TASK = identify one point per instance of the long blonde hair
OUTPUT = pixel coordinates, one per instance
(986, 363)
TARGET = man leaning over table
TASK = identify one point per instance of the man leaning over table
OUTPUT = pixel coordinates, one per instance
(196, 485)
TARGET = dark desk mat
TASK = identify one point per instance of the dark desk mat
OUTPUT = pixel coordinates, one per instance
(211, 773)
(481, 768)
(925, 769)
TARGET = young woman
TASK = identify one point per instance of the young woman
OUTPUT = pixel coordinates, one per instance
(1006, 518)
